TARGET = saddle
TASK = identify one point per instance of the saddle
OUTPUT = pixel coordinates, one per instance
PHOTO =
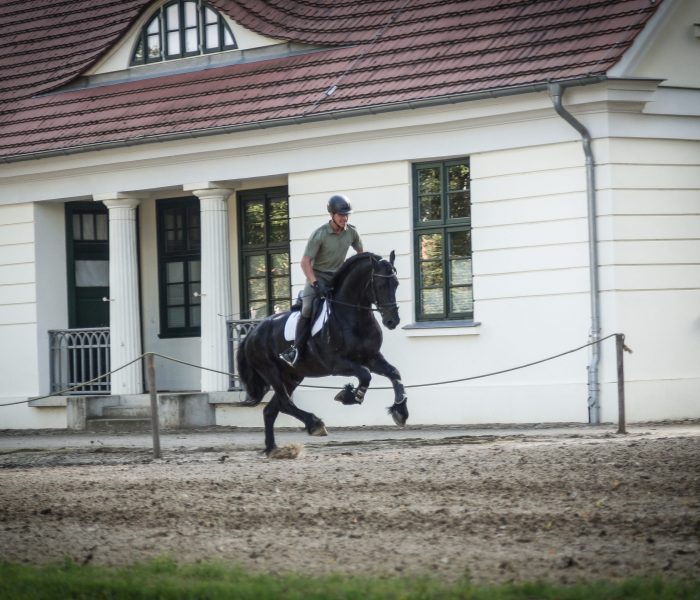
(321, 311)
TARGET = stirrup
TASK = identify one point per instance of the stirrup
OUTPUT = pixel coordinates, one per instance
(290, 356)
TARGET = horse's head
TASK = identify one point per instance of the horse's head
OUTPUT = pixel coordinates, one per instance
(384, 284)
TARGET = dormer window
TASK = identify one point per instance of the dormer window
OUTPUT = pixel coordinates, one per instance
(182, 28)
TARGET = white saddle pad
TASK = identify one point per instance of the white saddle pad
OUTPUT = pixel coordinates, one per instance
(290, 326)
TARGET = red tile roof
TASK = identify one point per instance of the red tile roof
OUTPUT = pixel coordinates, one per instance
(378, 53)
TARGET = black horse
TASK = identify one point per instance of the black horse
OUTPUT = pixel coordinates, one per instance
(348, 344)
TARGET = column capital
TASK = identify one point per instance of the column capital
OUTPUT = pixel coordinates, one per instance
(126, 203)
(212, 189)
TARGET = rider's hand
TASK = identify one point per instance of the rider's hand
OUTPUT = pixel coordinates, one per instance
(321, 288)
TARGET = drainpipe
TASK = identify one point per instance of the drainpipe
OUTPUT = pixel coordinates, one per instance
(557, 91)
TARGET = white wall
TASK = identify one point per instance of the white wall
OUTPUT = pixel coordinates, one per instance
(650, 271)
(32, 293)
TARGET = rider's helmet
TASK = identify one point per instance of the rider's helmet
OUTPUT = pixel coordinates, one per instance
(339, 205)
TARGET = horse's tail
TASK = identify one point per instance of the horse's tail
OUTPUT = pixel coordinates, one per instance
(255, 386)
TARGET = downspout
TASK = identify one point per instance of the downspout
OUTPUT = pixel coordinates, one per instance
(557, 91)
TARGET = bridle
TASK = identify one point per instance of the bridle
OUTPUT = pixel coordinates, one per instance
(381, 307)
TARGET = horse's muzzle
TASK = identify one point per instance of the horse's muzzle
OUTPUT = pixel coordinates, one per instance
(391, 321)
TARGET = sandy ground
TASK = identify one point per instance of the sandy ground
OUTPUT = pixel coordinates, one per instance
(564, 505)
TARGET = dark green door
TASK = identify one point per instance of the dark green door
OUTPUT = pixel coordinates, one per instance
(87, 225)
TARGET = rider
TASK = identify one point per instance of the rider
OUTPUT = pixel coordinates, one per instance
(325, 252)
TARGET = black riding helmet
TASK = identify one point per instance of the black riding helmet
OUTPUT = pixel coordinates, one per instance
(339, 205)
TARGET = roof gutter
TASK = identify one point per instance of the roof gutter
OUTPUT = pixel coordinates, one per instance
(556, 91)
(304, 119)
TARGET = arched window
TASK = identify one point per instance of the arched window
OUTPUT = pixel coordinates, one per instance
(182, 28)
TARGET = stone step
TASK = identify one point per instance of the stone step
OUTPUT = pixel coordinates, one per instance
(127, 412)
(119, 425)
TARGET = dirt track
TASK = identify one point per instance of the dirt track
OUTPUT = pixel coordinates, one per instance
(518, 507)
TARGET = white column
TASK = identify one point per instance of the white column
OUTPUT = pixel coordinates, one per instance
(216, 286)
(124, 313)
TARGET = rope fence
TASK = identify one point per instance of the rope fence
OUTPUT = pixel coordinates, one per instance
(151, 380)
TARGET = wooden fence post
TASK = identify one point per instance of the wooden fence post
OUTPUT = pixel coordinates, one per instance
(155, 421)
(620, 348)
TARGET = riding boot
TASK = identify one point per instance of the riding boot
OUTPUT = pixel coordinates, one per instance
(291, 355)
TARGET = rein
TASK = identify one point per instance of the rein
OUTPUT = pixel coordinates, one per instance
(370, 284)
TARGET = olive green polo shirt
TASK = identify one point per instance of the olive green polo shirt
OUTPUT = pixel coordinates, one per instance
(328, 250)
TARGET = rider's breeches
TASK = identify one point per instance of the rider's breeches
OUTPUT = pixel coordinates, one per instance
(309, 293)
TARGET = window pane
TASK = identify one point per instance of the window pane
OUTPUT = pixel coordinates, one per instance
(195, 269)
(176, 317)
(280, 287)
(431, 274)
(254, 215)
(102, 230)
(153, 26)
(279, 264)
(88, 226)
(430, 245)
(430, 208)
(460, 244)
(282, 305)
(458, 176)
(174, 42)
(429, 181)
(195, 316)
(210, 16)
(176, 294)
(257, 310)
(153, 46)
(195, 293)
(175, 272)
(77, 233)
(257, 289)
(256, 266)
(461, 300)
(212, 36)
(139, 53)
(92, 273)
(172, 17)
(190, 14)
(432, 302)
(460, 271)
(458, 205)
(191, 40)
(194, 238)
(174, 241)
(279, 224)
(228, 38)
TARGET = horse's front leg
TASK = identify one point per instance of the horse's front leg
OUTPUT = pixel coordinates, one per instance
(399, 410)
(350, 394)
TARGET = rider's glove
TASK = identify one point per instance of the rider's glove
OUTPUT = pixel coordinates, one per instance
(321, 288)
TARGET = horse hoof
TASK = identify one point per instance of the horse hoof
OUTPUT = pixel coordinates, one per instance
(399, 414)
(398, 420)
(319, 430)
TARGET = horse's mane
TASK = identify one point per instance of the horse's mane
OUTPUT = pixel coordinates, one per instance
(349, 265)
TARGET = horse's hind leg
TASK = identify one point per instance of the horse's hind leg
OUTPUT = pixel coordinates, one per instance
(270, 413)
(313, 425)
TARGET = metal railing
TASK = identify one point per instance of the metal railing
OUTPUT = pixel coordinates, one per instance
(79, 355)
(236, 331)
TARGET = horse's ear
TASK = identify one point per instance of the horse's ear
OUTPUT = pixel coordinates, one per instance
(392, 257)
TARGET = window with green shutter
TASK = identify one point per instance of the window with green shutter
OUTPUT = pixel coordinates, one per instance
(442, 240)
(179, 262)
(264, 246)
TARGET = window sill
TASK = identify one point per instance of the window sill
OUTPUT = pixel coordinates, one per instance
(442, 328)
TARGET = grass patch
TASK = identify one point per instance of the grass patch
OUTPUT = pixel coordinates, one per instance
(164, 580)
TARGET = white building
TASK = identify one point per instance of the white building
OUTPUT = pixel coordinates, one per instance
(180, 185)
